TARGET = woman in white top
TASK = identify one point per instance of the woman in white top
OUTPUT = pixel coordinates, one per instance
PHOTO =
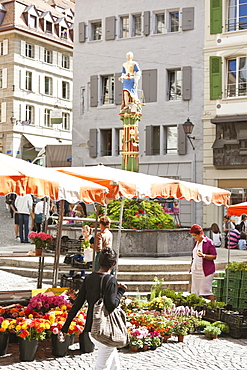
(216, 235)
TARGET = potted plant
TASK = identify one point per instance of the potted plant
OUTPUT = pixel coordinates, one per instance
(212, 332)
(223, 327)
(146, 342)
(181, 328)
(155, 340)
(135, 343)
(41, 241)
(160, 303)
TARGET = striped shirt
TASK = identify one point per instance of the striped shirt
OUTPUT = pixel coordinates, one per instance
(233, 238)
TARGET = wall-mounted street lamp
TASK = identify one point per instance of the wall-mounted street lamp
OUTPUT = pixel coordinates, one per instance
(188, 128)
(13, 119)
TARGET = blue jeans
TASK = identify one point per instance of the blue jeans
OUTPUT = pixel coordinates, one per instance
(24, 227)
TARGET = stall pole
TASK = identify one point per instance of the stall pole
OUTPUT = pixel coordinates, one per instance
(58, 244)
(119, 235)
(95, 234)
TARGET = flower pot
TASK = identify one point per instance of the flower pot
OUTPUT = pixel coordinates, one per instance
(153, 347)
(60, 349)
(28, 349)
(166, 337)
(145, 347)
(86, 345)
(180, 338)
(4, 341)
(213, 336)
(38, 251)
(134, 348)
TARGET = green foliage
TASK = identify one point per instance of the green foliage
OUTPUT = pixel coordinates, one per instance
(215, 304)
(139, 215)
(203, 323)
(223, 327)
(237, 266)
(211, 330)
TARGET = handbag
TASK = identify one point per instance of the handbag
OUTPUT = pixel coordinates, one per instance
(109, 328)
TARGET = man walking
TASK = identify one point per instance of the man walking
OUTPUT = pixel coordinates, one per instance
(24, 207)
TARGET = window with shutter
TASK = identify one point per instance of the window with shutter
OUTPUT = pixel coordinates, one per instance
(215, 78)
(93, 135)
(118, 89)
(181, 143)
(110, 31)
(146, 23)
(149, 85)
(93, 91)
(215, 16)
(81, 31)
(187, 19)
(186, 83)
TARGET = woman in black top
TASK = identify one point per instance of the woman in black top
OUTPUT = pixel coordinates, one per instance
(90, 292)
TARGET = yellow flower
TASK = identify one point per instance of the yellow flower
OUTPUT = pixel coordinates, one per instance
(5, 324)
(24, 326)
(47, 326)
(30, 316)
(63, 307)
(18, 327)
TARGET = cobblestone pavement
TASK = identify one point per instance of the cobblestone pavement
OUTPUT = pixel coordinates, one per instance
(196, 353)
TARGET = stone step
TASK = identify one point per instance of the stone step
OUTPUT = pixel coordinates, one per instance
(149, 276)
(178, 286)
(137, 266)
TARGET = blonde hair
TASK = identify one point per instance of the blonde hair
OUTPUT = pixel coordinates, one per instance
(86, 228)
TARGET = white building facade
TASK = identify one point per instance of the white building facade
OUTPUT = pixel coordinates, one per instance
(225, 111)
(36, 75)
(167, 41)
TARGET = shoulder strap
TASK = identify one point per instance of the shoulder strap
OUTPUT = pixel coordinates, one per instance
(101, 285)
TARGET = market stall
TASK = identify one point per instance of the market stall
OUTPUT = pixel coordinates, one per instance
(21, 177)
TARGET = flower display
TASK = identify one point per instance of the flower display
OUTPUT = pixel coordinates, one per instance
(41, 240)
(44, 303)
(29, 328)
(57, 319)
(12, 311)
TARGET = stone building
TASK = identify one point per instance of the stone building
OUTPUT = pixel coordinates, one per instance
(36, 78)
(167, 41)
(225, 110)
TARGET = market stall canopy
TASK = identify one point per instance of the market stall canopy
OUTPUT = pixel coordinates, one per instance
(131, 184)
(237, 209)
(21, 177)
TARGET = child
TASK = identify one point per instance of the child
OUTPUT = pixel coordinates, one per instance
(216, 235)
(242, 241)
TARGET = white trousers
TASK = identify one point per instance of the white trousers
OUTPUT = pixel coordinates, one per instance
(107, 358)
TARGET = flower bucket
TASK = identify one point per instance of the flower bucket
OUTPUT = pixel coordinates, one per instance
(38, 251)
(86, 345)
(60, 349)
(28, 349)
(4, 341)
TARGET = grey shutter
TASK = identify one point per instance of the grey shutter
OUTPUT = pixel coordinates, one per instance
(149, 140)
(118, 89)
(149, 85)
(81, 31)
(187, 19)
(93, 133)
(110, 24)
(146, 23)
(181, 140)
(93, 91)
(186, 83)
